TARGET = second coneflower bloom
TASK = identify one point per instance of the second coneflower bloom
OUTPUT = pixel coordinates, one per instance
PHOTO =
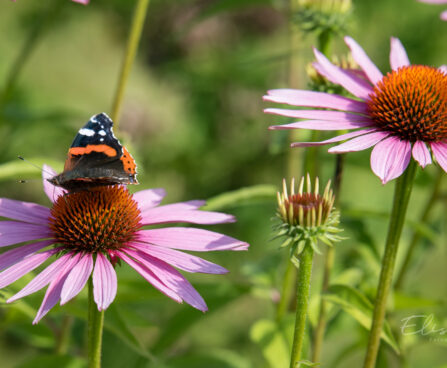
(87, 233)
(402, 114)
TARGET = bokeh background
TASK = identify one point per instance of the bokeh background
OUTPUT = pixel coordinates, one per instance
(192, 118)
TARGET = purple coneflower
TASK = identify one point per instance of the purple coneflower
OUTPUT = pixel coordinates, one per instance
(88, 232)
(443, 15)
(401, 114)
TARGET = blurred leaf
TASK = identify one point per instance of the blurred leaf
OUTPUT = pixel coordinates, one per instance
(20, 170)
(350, 276)
(404, 301)
(215, 359)
(216, 296)
(274, 340)
(360, 308)
(242, 196)
(347, 351)
(54, 361)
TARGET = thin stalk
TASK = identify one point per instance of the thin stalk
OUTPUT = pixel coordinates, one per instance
(95, 327)
(63, 338)
(328, 264)
(402, 193)
(302, 303)
(136, 29)
(416, 235)
(286, 291)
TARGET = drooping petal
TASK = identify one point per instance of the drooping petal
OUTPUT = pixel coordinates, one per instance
(359, 55)
(443, 15)
(171, 278)
(338, 138)
(322, 125)
(149, 276)
(359, 143)
(169, 208)
(84, 2)
(315, 99)
(16, 271)
(440, 152)
(54, 290)
(398, 55)
(319, 115)
(43, 278)
(421, 153)
(181, 260)
(186, 238)
(12, 232)
(443, 68)
(77, 278)
(50, 190)
(104, 282)
(390, 158)
(24, 211)
(357, 86)
(13, 256)
(149, 198)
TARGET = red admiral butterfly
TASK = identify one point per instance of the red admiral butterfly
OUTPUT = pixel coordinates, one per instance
(96, 158)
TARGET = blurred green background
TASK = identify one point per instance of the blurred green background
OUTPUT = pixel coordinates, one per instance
(192, 118)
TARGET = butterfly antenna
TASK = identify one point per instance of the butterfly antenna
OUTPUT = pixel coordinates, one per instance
(34, 165)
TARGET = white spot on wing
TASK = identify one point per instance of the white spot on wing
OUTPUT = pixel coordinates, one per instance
(102, 132)
(87, 132)
(101, 139)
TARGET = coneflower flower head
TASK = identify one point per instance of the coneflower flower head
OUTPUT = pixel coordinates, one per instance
(322, 15)
(306, 216)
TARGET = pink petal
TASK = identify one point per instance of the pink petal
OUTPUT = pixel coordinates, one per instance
(440, 152)
(334, 139)
(357, 86)
(433, 1)
(319, 115)
(443, 15)
(360, 143)
(149, 198)
(16, 271)
(187, 238)
(43, 278)
(315, 99)
(54, 290)
(77, 278)
(24, 211)
(390, 158)
(150, 277)
(104, 282)
(50, 190)
(12, 232)
(398, 55)
(443, 68)
(84, 2)
(171, 213)
(183, 261)
(168, 208)
(322, 125)
(13, 256)
(359, 55)
(421, 153)
(173, 279)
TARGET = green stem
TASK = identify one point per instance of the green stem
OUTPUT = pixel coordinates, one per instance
(138, 19)
(324, 42)
(328, 264)
(302, 303)
(417, 235)
(95, 326)
(402, 193)
(286, 291)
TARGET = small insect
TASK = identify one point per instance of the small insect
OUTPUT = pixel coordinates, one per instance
(96, 158)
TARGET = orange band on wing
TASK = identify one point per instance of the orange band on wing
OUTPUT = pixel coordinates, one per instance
(103, 148)
(128, 162)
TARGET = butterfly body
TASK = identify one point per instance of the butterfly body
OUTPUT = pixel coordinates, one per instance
(96, 158)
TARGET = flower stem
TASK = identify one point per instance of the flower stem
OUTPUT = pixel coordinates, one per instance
(402, 194)
(416, 235)
(95, 326)
(136, 28)
(328, 264)
(302, 302)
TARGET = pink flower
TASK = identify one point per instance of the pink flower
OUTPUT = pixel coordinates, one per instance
(87, 233)
(443, 15)
(401, 114)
